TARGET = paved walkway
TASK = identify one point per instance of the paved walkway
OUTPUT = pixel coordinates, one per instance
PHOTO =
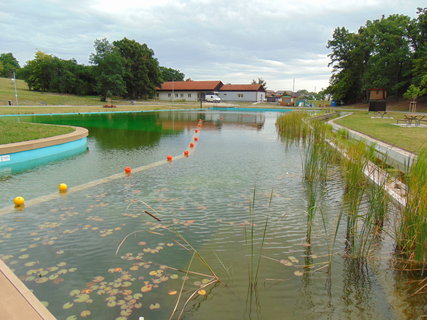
(17, 302)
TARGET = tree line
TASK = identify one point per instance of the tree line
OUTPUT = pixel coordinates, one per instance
(388, 53)
(123, 68)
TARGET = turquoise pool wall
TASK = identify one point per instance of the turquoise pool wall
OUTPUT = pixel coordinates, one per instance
(27, 159)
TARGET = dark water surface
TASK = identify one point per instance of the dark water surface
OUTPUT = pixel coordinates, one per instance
(65, 249)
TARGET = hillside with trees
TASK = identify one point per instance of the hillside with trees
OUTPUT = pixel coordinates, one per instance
(124, 68)
(388, 53)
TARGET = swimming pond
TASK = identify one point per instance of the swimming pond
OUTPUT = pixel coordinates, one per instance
(239, 199)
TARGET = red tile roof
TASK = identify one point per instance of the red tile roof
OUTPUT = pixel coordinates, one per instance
(242, 87)
(190, 86)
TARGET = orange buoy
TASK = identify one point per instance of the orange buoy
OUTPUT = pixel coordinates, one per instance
(186, 153)
(199, 125)
(196, 139)
(128, 170)
(169, 157)
(196, 131)
(191, 145)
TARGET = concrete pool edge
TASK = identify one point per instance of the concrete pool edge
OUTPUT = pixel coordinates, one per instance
(77, 134)
(19, 153)
(17, 301)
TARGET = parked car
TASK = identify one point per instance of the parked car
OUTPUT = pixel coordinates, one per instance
(212, 98)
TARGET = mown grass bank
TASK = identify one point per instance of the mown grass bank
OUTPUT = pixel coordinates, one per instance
(412, 139)
(11, 131)
(27, 97)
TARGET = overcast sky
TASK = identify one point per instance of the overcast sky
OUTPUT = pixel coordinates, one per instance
(234, 41)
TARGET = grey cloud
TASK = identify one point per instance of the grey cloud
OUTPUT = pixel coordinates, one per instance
(233, 41)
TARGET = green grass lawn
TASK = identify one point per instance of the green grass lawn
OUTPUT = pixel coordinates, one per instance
(12, 131)
(27, 97)
(412, 139)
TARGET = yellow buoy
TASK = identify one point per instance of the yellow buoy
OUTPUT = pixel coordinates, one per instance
(62, 187)
(19, 202)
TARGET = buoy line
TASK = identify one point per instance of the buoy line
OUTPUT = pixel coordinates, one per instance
(97, 182)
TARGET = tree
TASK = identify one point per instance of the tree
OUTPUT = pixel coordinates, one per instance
(109, 69)
(261, 82)
(414, 92)
(348, 61)
(379, 55)
(8, 65)
(142, 73)
(389, 65)
(169, 74)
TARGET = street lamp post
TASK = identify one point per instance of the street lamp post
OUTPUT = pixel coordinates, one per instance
(16, 92)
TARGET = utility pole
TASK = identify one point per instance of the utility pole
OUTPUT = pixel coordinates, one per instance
(16, 92)
(293, 92)
(173, 91)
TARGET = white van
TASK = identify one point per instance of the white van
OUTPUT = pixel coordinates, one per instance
(212, 98)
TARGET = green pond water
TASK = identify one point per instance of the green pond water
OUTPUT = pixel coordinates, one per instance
(65, 249)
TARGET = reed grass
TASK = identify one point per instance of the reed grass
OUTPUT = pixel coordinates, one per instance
(316, 137)
(412, 231)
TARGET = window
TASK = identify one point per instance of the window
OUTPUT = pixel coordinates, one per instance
(176, 95)
(182, 95)
(189, 95)
(169, 95)
(240, 95)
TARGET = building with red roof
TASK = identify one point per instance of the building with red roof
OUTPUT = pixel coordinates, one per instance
(196, 90)
(187, 90)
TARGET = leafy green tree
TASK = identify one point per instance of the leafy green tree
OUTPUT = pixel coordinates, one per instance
(9, 65)
(261, 82)
(385, 53)
(38, 73)
(109, 68)
(49, 73)
(389, 65)
(142, 73)
(169, 74)
(349, 56)
(419, 38)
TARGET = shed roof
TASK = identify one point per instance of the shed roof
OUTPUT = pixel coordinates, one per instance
(190, 86)
(242, 87)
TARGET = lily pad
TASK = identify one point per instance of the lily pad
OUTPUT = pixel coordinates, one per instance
(73, 317)
(82, 298)
(85, 313)
(74, 292)
(286, 262)
(154, 306)
(298, 273)
(67, 305)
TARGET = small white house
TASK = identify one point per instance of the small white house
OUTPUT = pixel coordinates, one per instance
(242, 92)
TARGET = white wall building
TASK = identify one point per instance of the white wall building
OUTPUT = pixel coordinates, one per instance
(187, 90)
(196, 90)
(242, 92)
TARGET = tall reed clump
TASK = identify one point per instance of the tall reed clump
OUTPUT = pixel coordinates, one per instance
(292, 127)
(412, 233)
(363, 222)
(254, 262)
(321, 147)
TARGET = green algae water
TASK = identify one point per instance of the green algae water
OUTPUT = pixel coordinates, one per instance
(239, 199)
